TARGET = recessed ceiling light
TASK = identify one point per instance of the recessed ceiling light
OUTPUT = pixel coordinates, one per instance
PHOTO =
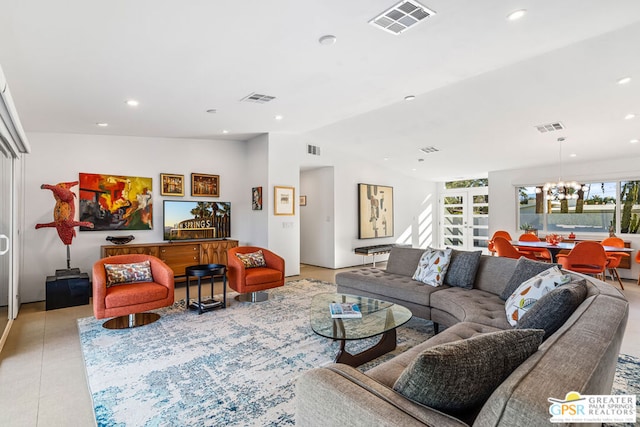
(278, 117)
(624, 80)
(409, 97)
(516, 14)
(132, 103)
(634, 141)
(327, 40)
(386, 158)
(630, 116)
(225, 131)
(102, 124)
(212, 111)
(573, 155)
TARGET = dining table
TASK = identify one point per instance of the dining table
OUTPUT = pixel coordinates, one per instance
(554, 249)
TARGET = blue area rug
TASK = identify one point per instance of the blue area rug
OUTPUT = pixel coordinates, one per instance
(236, 366)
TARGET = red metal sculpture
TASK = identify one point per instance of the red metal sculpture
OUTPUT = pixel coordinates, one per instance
(64, 212)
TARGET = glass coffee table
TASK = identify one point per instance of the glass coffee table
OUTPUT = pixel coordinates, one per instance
(378, 318)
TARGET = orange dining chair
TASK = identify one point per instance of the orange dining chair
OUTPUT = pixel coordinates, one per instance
(540, 253)
(504, 248)
(499, 233)
(614, 258)
(586, 257)
(638, 261)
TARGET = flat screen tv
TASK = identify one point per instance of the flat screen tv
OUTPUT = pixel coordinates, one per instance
(191, 220)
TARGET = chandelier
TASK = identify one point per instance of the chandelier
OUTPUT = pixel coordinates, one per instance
(561, 190)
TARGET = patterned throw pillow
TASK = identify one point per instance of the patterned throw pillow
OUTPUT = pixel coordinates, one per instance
(530, 291)
(525, 270)
(433, 266)
(253, 259)
(461, 375)
(119, 274)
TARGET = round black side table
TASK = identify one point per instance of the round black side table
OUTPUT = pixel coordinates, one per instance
(207, 270)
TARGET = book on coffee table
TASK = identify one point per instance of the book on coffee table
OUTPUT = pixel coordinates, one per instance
(345, 310)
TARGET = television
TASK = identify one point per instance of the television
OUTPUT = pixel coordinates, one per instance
(191, 220)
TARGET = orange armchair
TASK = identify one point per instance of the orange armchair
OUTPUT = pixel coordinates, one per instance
(128, 302)
(614, 258)
(491, 244)
(504, 248)
(586, 257)
(250, 281)
(540, 253)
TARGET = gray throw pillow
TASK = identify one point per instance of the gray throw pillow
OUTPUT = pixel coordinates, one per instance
(525, 270)
(553, 309)
(462, 268)
(461, 375)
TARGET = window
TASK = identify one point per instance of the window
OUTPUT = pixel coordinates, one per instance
(629, 207)
(589, 208)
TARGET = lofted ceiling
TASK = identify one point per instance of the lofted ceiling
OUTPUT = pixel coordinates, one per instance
(481, 82)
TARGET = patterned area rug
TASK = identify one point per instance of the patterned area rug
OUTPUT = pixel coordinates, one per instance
(235, 366)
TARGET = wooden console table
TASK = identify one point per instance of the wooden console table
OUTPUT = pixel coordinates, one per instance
(177, 255)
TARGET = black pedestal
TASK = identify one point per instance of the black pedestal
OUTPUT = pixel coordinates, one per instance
(67, 288)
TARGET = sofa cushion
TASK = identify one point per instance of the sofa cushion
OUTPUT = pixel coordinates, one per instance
(433, 266)
(252, 259)
(134, 293)
(469, 305)
(462, 268)
(553, 309)
(530, 291)
(403, 261)
(260, 275)
(461, 375)
(118, 274)
(525, 270)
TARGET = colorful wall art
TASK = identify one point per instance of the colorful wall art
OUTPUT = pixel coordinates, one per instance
(114, 202)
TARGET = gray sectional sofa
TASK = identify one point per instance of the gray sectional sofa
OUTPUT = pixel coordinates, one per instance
(580, 356)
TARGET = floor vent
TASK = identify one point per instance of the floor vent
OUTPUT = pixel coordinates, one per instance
(401, 16)
(258, 98)
(428, 150)
(313, 150)
(550, 127)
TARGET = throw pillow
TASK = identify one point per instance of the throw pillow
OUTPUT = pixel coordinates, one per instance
(462, 268)
(253, 259)
(119, 274)
(530, 291)
(461, 375)
(525, 270)
(433, 266)
(553, 309)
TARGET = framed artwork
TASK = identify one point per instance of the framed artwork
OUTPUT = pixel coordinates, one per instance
(284, 200)
(171, 185)
(303, 200)
(375, 211)
(205, 185)
(256, 198)
(115, 202)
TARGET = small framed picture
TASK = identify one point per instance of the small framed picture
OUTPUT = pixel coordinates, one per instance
(284, 200)
(303, 200)
(171, 185)
(256, 198)
(205, 185)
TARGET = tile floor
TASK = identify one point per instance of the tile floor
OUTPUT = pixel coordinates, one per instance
(42, 374)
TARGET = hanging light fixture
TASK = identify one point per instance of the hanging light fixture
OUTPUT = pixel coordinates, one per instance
(561, 190)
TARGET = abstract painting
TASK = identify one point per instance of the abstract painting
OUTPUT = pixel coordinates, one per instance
(375, 211)
(256, 198)
(115, 202)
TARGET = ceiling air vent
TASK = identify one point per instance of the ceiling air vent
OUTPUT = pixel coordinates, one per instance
(401, 16)
(428, 150)
(313, 150)
(550, 127)
(258, 98)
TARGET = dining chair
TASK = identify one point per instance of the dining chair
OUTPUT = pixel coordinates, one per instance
(504, 248)
(499, 233)
(540, 253)
(638, 261)
(586, 257)
(614, 258)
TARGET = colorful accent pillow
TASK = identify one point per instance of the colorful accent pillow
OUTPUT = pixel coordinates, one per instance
(461, 375)
(530, 291)
(253, 259)
(462, 269)
(433, 266)
(525, 270)
(120, 274)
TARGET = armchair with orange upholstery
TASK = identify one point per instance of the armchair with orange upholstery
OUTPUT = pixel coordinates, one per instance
(614, 258)
(504, 248)
(541, 253)
(586, 257)
(250, 281)
(127, 302)
(500, 233)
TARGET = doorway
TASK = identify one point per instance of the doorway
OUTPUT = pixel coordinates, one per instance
(464, 218)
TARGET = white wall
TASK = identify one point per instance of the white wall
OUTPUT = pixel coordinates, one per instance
(503, 197)
(61, 157)
(257, 175)
(317, 225)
